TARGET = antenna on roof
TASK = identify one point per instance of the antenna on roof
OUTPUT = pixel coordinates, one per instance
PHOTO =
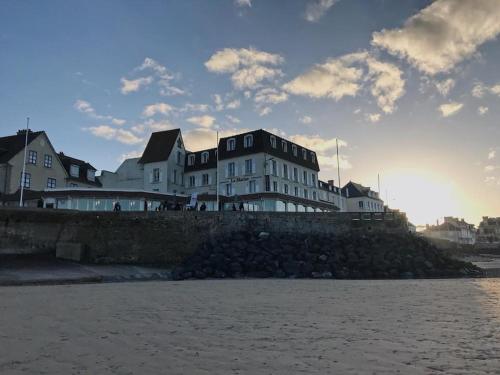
(338, 165)
(23, 176)
(217, 169)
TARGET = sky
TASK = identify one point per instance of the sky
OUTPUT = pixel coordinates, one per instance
(410, 89)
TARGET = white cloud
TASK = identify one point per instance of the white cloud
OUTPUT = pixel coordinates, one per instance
(153, 109)
(203, 121)
(189, 107)
(315, 9)
(492, 154)
(478, 90)
(373, 117)
(490, 179)
(130, 155)
(450, 109)
(203, 138)
(163, 75)
(444, 87)
(346, 75)
(326, 150)
(248, 67)
(233, 119)
(118, 121)
(133, 85)
(110, 133)
(152, 125)
(233, 104)
(490, 168)
(442, 34)
(243, 3)
(264, 111)
(482, 110)
(305, 119)
(357, 111)
(219, 103)
(270, 96)
(495, 89)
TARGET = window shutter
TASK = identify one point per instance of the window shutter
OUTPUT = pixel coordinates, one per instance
(210, 179)
(257, 188)
(253, 166)
(226, 170)
(236, 169)
(160, 176)
(150, 177)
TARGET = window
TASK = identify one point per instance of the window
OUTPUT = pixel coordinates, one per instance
(73, 185)
(248, 141)
(47, 161)
(156, 175)
(285, 171)
(26, 181)
(191, 159)
(204, 179)
(285, 189)
(306, 194)
(275, 186)
(313, 179)
(272, 138)
(274, 167)
(314, 195)
(74, 170)
(179, 158)
(192, 181)
(313, 157)
(175, 176)
(251, 186)
(32, 156)
(51, 183)
(248, 166)
(229, 189)
(179, 142)
(231, 169)
(296, 191)
(304, 154)
(304, 176)
(295, 174)
(360, 203)
(294, 150)
(90, 175)
(204, 158)
(268, 183)
(231, 144)
(284, 146)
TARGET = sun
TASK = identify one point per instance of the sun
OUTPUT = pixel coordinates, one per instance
(424, 197)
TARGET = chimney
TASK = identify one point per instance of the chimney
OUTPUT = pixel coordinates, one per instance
(331, 182)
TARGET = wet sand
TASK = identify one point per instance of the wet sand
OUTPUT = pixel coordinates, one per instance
(253, 327)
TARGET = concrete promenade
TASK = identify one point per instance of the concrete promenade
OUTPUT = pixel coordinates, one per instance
(253, 327)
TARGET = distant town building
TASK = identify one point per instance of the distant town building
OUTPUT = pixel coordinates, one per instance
(454, 230)
(489, 230)
(79, 172)
(361, 198)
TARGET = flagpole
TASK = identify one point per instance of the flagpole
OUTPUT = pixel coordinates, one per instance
(338, 165)
(23, 177)
(217, 169)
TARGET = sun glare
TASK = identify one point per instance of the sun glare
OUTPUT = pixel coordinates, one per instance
(423, 196)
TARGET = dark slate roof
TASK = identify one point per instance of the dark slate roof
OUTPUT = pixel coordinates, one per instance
(356, 190)
(159, 146)
(198, 166)
(326, 186)
(262, 143)
(11, 145)
(67, 161)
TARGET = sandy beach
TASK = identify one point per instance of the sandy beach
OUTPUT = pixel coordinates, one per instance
(253, 327)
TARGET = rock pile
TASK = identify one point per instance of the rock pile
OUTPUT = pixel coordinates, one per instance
(353, 256)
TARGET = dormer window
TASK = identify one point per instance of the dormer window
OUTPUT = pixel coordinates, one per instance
(191, 159)
(304, 154)
(204, 158)
(313, 157)
(74, 170)
(90, 175)
(272, 138)
(231, 144)
(248, 140)
(179, 142)
(284, 146)
(294, 150)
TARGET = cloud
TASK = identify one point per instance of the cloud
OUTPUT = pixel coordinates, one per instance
(492, 154)
(482, 110)
(130, 155)
(490, 179)
(450, 109)
(203, 138)
(248, 67)
(325, 149)
(478, 90)
(189, 107)
(264, 111)
(153, 109)
(227, 103)
(270, 96)
(152, 125)
(444, 87)
(203, 121)
(305, 119)
(346, 75)
(118, 121)
(233, 104)
(490, 168)
(110, 133)
(233, 119)
(373, 117)
(133, 85)
(442, 34)
(495, 89)
(316, 9)
(243, 3)
(85, 107)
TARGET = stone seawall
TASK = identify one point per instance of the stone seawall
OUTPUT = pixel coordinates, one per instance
(163, 237)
